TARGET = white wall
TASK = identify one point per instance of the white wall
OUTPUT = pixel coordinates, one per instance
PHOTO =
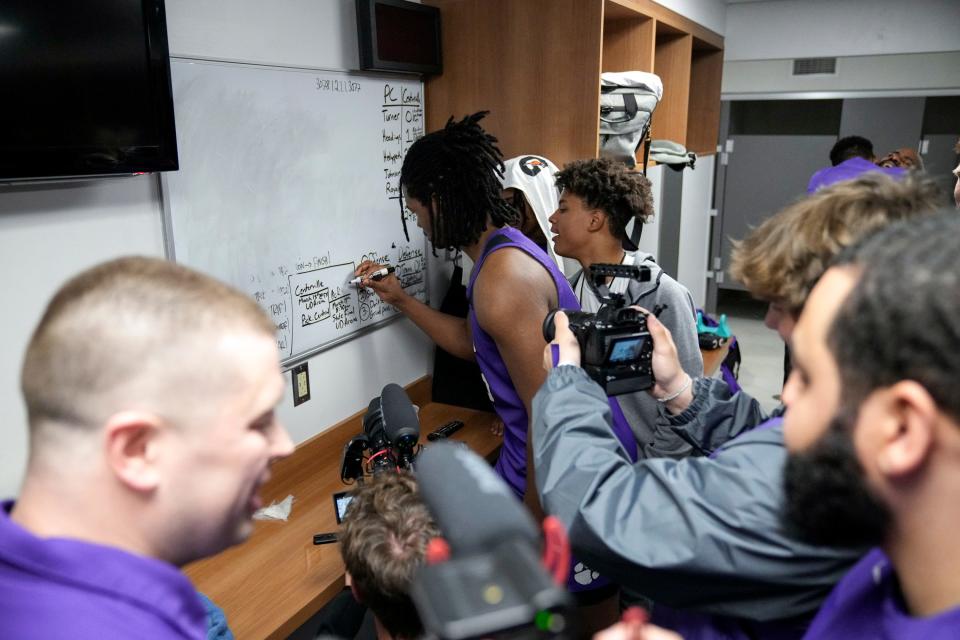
(811, 28)
(856, 76)
(49, 233)
(309, 33)
(882, 46)
(46, 235)
(695, 228)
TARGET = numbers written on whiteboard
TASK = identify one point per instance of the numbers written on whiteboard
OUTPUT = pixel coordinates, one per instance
(336, 85)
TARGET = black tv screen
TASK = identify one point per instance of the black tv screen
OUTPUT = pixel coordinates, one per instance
(395, 35)
(86, 89)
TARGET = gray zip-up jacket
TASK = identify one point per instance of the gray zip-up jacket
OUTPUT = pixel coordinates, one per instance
(699, 533)
(714, 416)
(680, 317)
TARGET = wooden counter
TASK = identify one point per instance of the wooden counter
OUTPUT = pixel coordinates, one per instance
(713, 358)
(278, 579)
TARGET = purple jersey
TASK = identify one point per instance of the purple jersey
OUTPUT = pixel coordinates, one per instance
(867, 603)
(848, 170)
(512, 464)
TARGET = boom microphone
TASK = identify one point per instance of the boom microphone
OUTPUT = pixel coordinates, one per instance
(381, 458)
(400, 422)
(471, 504)
(487, 580)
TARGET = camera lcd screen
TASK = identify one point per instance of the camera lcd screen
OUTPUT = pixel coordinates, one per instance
(626, 349)
(340, 503)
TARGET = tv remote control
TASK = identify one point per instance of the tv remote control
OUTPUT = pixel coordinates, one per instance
(445, 431)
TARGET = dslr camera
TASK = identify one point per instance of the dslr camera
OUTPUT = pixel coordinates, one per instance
(615, 346)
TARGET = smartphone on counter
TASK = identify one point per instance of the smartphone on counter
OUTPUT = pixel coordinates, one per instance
(324, 538)
(341, 501)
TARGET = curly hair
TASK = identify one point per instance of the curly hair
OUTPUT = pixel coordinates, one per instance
(383, 541)
(456, 173)
(783, 258)
(610, 186)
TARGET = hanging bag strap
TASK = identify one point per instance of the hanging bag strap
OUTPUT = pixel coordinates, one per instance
(646, 145)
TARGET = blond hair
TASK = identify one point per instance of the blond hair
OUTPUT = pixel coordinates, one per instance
(783, 258)
(129, 322)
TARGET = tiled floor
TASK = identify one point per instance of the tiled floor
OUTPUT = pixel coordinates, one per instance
(761, 367)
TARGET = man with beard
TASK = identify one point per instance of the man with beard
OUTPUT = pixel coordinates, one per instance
(873, 428)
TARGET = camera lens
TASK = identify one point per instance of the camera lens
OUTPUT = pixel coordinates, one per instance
(549, 330)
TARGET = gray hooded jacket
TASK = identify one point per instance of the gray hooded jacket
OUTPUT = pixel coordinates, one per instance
(699, 533)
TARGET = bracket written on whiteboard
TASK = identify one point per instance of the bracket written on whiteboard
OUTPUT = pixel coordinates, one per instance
(289, 178)
(317, 303)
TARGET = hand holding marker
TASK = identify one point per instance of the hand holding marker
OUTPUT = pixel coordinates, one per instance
(376, 275)
(382, 280)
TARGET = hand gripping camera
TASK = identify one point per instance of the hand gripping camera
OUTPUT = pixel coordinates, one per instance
(615, 346)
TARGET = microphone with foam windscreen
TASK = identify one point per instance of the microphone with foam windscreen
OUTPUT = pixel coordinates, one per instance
(400, 422)
(381, 456)
(493, 580)
(471, 504)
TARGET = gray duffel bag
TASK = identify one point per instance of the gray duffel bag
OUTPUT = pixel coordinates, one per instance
(627, 101)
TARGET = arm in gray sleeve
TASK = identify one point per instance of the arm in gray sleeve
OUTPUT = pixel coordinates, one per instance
(696, 533)
(655, 439)
(715, 416)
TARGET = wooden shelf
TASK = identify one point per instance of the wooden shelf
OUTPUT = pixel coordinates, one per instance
(703, 116)
(663, 15)
(536, 64)
(530, 63)
(628, 43)
(672, 63)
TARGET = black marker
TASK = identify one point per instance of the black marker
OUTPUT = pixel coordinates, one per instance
(378, 275)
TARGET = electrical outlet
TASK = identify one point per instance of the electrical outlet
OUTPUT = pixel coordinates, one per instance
(301, 383)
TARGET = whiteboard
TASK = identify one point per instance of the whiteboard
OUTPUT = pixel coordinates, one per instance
(288, 179)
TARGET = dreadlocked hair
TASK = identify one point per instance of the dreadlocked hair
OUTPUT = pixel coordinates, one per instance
(456, 172)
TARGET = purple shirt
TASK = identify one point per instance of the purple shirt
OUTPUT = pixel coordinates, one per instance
(848, 170)
(867, 603)
(693, 625)
(512, 463)
(63, 589)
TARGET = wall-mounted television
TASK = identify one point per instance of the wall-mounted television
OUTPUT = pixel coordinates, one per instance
(395, 35)
(86, 89)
